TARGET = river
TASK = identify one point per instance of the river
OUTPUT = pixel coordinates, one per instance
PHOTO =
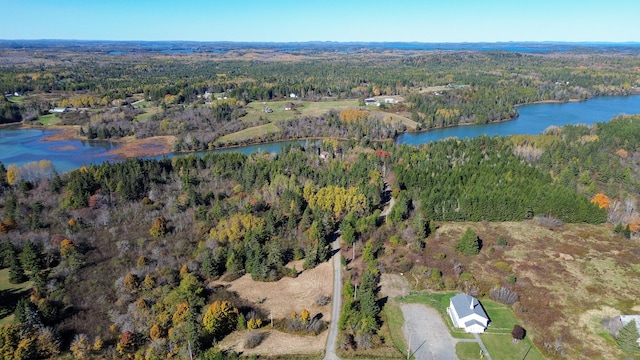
(19, 146)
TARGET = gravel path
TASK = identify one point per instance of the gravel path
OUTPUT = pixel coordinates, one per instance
(330, 353)
(427, 334)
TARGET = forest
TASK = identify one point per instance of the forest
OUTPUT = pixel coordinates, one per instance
(121, 256)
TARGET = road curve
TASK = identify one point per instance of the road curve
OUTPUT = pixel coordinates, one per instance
(330, 353)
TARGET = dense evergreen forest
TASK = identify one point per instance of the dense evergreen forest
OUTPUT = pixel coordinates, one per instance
(121, 256)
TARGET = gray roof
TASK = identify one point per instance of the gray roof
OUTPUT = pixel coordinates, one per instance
(462, 304)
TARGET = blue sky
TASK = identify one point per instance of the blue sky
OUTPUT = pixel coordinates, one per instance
(329, 20)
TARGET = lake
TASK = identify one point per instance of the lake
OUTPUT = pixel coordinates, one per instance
(19, 146)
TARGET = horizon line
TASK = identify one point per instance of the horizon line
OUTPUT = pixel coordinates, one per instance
(339, 42)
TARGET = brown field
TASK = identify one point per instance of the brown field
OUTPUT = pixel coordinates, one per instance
(153, 146)
(568, 279)
(282, 298)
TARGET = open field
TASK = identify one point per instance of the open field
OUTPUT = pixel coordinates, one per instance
(302, 108)
(49, 119)
(568, 279)
(9, 296)
(280, 299)
(249, 133)
(16, 99)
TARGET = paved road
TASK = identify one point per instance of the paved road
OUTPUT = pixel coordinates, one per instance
(330, 353)
(426, 333)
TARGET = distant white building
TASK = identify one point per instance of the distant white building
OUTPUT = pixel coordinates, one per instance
(371, 101)
(293, 96)
(467, 313)
(390, 101)
(58, 110)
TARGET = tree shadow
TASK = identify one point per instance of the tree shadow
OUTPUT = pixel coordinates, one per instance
(9, 299)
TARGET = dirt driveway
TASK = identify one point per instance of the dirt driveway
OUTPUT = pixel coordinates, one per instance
(427, 334)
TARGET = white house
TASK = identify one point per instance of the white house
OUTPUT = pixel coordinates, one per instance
(467, 313)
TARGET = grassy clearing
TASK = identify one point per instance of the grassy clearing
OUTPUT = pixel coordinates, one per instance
(394, 319)
(9, 296)
(17, 99)
(249, 133)
(49, 119)
(302, 108)
(501, 346)
(149, 111)
(468, 350)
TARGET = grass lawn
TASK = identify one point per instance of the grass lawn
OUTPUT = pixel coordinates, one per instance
(501, 346)
(468, 350)
(394, 319)
(17, 99)
(148, 112)
(49, 119)
(9, 296)
(249, 133)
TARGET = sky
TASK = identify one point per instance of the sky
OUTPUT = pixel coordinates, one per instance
(328, 20)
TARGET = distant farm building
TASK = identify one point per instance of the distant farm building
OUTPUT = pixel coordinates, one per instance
(371, 101)
(58, 110)
(390, 101)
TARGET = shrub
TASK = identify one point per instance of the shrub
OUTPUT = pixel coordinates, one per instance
(322, 300)
(253, 339)
(518, 332)
(502, 241)
(503, 295)
(502, 266)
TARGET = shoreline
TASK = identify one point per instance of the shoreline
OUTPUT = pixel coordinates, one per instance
(163, 145)
(127, 147)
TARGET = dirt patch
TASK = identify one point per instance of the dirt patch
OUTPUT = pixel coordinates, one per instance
(393, 285)
(289, 294)
(281, 298)
(153, 146)
(276, 343)
(636, 308)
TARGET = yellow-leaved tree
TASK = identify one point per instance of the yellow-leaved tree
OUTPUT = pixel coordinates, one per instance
(220, 318)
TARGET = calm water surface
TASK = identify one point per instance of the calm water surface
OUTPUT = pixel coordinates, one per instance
(22, 146)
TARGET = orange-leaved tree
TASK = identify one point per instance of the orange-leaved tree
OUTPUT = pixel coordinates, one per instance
(601, 200)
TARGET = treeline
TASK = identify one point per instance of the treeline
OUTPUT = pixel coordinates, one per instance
(493, 81)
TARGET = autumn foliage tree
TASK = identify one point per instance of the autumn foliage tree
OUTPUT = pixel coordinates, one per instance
(352, 115)
(220, 318)
(518, 332)
(601, 200)
(159, 227)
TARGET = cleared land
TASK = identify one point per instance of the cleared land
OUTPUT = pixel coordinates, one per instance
(281, 298)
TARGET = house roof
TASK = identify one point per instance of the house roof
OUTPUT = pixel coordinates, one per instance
(466, 305)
